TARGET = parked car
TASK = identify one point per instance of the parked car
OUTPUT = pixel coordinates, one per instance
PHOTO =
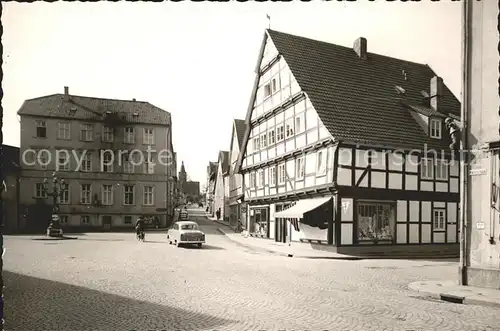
(185, 232)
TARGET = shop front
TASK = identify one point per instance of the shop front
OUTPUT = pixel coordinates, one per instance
(376, 222)
(307, 220)
(258, 222)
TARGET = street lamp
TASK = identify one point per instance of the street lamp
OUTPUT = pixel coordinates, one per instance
(58, 188)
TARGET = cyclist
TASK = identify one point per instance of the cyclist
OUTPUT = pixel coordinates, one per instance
(139, 228)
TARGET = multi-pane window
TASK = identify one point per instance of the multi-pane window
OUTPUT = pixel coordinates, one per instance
(149, 164)
(441, 170)
(280, 133)
(128, 194)
(263, 141)
(253, 179)
(299, 123)
(281, 173)
(64, 194)
(256, 143)
(148, 136)
(321, 163)
(260, 181)
(86, 132)
(129, 136)
(107, 134)
(272, 176)
(85, 220)
(107, 162)
(85, 194)
(438, 219)
(63, 131)
(128, 166)
(272, 86)
(289, 127)
(41, 129)
(299, 168)
(127, 219)
(39, 191)
(86, 162)
(63, 162)
(271, 137)
(427, 169)
(43, 159)
(148, 197)
(107, 195)
(435, 128)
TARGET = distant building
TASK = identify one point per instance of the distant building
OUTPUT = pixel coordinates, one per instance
(11, 172)
(210, 190)
(188, 187)
(221, 196)
(237, 206)
(108, 186)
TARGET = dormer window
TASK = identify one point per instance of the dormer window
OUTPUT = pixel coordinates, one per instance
(435, 128)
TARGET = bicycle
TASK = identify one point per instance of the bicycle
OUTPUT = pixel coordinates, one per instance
(141, 236)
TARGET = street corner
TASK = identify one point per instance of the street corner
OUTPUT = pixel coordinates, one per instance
(451, 291)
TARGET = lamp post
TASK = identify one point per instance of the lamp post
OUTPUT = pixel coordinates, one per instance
(58, 187)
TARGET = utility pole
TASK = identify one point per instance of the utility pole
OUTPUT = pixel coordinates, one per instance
(465, 148)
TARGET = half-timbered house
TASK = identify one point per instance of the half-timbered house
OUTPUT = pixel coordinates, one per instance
(237, 206)
(210, 186)
(222, 186)
(348, 148)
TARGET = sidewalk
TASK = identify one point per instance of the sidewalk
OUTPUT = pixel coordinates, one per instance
(221, 222)
(452, 292)
(300, 250)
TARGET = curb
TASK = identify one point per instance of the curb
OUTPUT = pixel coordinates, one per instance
(347, 258)
(54, 238)
(465, 300)
(249, 246)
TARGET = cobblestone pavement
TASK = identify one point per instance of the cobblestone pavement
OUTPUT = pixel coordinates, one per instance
(109, 281)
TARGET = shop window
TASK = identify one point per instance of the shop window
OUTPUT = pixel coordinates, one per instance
(376, 222)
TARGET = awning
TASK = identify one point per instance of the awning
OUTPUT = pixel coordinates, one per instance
(301, 207)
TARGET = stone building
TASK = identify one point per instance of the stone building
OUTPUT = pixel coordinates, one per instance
(116, 156)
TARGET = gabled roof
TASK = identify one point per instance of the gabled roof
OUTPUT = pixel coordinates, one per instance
(240, 127)
(224, 161)
(89, 108)
(357, 99)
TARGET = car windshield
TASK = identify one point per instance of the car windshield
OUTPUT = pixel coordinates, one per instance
(189, 226)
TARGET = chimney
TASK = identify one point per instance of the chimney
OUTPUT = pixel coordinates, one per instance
(66, 93)
(360, 47)
(436, 90)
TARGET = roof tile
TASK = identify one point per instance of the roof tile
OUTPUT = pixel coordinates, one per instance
(356, 99)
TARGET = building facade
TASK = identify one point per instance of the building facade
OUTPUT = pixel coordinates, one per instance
(343, 151)
(116, 157)
(221, 192)
(482, 251)
(210, 187)
(237, 205)
(11, 171)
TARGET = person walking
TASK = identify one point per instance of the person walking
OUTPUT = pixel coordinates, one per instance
(217, 214)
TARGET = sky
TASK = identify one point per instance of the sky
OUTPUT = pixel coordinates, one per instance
(196, 60)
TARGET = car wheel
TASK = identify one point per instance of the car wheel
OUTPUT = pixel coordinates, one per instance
(199, 245)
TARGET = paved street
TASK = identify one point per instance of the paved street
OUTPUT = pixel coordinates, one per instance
(109, 281)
